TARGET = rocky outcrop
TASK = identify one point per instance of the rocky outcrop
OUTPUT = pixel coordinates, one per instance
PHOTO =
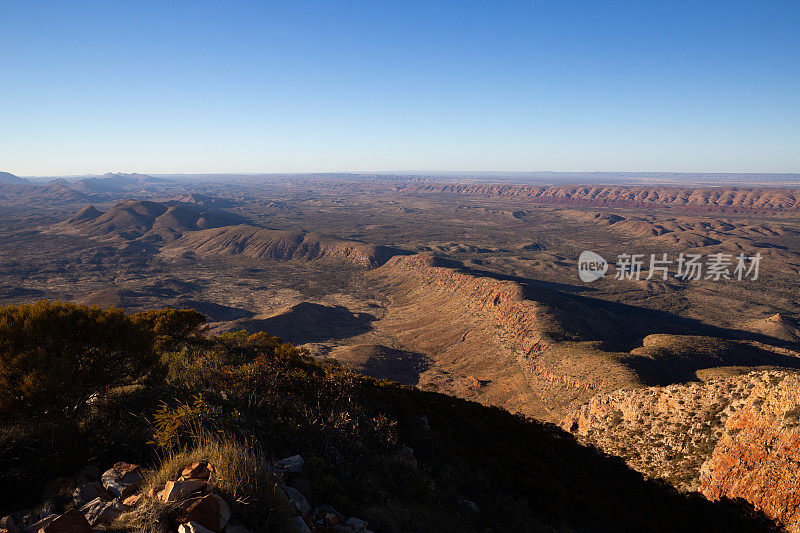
(758, 457)
(665, 432)
(737, 437)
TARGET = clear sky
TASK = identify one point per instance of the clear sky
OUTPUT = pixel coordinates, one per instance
(170, 86)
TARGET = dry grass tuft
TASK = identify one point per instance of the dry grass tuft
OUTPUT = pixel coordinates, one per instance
(241, 476)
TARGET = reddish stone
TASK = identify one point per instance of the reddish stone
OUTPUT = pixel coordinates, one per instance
(180, 490)
(211, 512)
(199, 470)
(132, 501)
(155, 492)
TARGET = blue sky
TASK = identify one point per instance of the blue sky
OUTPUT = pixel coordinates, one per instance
(232, 86)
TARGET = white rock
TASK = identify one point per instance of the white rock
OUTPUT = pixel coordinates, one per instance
(300, 502)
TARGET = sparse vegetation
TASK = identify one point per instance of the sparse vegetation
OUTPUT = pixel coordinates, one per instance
(240, 400)
(241, 475)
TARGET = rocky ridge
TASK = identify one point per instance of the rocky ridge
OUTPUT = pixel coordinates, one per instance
(706, 198)
(548, 347)
(263, 243)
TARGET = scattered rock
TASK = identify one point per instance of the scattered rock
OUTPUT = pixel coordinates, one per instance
(70, 522)
(34, 528)
(133, 500)
(200, 470)
(211, 512)
(122, 479)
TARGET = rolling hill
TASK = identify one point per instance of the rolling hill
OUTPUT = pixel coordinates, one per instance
(135, 219)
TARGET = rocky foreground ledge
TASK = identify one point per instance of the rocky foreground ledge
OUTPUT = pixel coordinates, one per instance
(90, 502)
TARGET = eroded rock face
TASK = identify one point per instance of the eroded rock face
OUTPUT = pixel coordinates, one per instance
(758, 458)
(666, 432)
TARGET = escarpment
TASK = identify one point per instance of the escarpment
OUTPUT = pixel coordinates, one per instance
(549, 351)
(666, 432)
(758, 457)
(474, 325)
(708, 198)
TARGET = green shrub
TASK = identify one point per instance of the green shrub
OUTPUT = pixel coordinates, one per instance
(55, 356)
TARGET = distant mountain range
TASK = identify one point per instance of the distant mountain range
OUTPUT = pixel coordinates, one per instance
(8, 177)
(114, 182)
(20, 191)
